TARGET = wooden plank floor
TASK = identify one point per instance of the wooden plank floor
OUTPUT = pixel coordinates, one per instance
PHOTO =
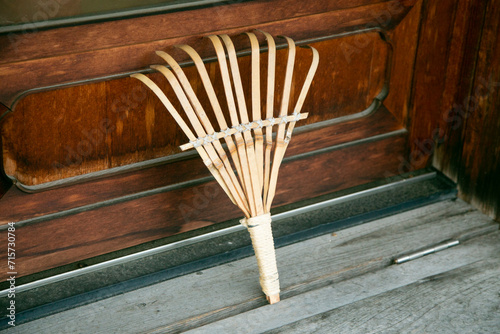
(422, 296)
(341, 283)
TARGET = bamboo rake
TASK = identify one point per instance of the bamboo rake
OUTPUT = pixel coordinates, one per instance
(253, 187)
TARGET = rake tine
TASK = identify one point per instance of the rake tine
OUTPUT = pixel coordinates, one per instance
(200, 112)
(279, 151)
(240, 143)
(256, 112)
(201, 133)
(255, 193)
(200, 66)
(185, 128)
(271, 72)
(303, 92)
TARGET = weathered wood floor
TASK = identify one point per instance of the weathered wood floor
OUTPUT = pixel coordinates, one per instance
(341, 283)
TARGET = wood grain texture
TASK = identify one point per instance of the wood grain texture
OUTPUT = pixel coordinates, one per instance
(429, 79)
(71, 238)
(463, 300)
(127, 137)
(405, 41)
(4, 181)
(95, 60)
(33, 45)
(464, 47)
(445, 70)
(18, 206)
(455, 98)
(317, 275)
(73, 131)
(479, 174)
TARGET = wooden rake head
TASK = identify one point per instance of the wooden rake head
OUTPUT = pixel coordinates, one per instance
(253, 186)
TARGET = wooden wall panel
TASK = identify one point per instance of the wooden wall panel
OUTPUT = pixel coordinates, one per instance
(48, 43)
(464, 46)
(73, 131)
(18, 206)
(429, 80)
(76, 237)
(165, 200)
(405, 40)
(479, 173)
(446, 58)
(95, 53)
(453, 114)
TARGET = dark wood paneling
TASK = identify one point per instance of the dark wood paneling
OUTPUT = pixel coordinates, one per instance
(68, 239)
(429, 80)
(17, 206)
(57, 56)
(454, 98)
(464, 46)
(445, 52)
(96, 61)
(41, 44)
(479, 174)
(405, 41)
(72, 131)
(4, 182)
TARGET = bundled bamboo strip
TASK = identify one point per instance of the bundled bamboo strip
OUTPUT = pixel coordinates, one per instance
(256, 161)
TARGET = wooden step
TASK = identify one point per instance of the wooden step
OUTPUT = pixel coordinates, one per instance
(310, 272)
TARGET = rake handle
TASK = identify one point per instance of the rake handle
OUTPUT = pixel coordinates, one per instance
(262, 241)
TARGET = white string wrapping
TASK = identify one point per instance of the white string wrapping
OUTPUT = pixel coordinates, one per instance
(263, 244)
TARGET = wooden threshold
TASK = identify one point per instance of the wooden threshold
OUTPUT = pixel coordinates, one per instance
(323, 277)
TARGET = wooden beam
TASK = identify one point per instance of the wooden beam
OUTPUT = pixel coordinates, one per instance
(99, 55)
